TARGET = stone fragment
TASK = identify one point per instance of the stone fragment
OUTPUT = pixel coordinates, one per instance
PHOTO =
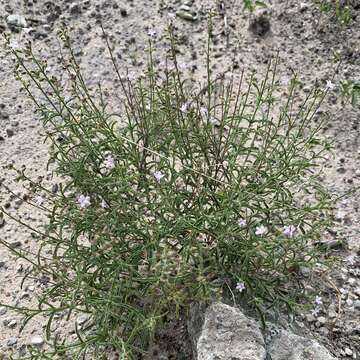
(3, 310)
(357, 304)
(288, 346)
(185, 12)
(12, 323)
(229, 334)
(11, 342)
(16, 20)
(10, 132)
(37, 340)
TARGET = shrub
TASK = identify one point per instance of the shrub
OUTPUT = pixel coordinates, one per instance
(186, 194)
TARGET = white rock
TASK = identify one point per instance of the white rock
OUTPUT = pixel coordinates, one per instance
(12, 323)
(37, 340)
(357, 304)
(3, 310)
(288, 346)
(16, 20)
(229, 334)
(303, 6)
(11, 341)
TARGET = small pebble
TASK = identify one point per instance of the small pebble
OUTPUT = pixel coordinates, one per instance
(310, 318)
(11, 342)
(16, 20)
(12, 323)
(37, 340)
(3, 310)
(15, 244)
(9, 132)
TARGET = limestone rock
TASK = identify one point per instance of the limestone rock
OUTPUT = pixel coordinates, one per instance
(229, 334)
(288, 346)
(16, 20)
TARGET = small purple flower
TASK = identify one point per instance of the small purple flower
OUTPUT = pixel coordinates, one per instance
(351, 260)
(329, 85)
(109, 162)
(240, 286)
(14, 45)
(203, 111)
(242, 222)
(131, 76)
(184, 107)
(318, 300)
(315, 312)
(158, 175)
(182, 66)
(261, 230)
(84, 201)
(289, 231)
(39, 200)
(151, 32)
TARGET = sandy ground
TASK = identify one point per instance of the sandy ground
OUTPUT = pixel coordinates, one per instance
(306, 42)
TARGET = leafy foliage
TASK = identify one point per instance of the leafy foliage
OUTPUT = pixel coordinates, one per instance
(186, 194)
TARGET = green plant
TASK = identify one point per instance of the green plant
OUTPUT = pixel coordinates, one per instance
(350, 89)
(251, 5)
(186, 194)
(336, 9)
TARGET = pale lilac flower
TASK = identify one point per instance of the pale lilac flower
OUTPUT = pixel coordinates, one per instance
(170, 66)
(131, 76)
(162, 63)
(315, 311)
(318, 300)
(184, 107)
(285, 81)
(151, 32)
(171, 15)
(39, 200)
(351, 260)
(240, 286)
(158, 175)
(203, 111)
(261, 230)
(182, 66)
(104, 205)
(84, 201)
(242, 222)
(109, 162)
(289, 230)
(329, 85)
(14, 44)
